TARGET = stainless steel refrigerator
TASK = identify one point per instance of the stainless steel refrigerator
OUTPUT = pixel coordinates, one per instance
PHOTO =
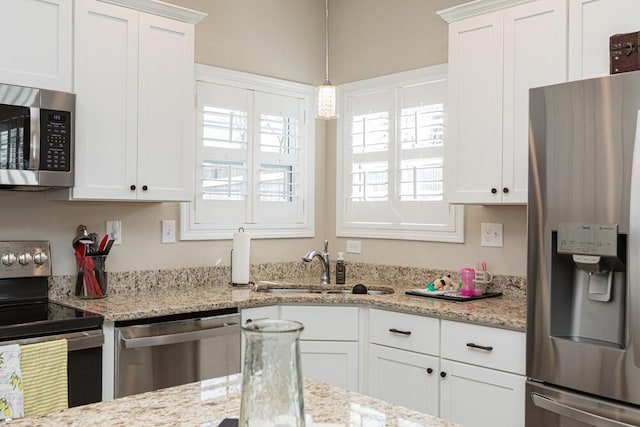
(583, 271)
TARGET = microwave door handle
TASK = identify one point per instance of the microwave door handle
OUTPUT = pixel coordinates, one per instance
(156, 340)
(34, 130)
(579, 415)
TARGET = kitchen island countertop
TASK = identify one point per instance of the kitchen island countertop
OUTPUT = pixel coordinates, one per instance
(507, 311)
(207, 403)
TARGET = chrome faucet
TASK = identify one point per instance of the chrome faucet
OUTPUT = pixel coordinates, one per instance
(324, 257)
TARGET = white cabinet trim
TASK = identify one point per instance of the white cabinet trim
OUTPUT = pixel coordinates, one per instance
(475, 8)
(161, 9)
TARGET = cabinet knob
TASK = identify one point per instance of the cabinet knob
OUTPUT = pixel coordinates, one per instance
(494, 190)
(145, 188)
(133, 187)
(443, 374)
(505, 190)
(429, 370)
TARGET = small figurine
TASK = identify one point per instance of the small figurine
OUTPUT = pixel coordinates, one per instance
(442, 284)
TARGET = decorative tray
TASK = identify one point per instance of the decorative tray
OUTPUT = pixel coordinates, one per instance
(450, 295)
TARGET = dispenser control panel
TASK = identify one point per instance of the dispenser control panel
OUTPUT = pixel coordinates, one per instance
(588, 239)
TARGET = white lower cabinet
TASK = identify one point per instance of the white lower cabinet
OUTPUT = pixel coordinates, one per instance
(334, 362)
(480, 397)
(328, 344)
(465, 373)
(482, 375)
(404, 378)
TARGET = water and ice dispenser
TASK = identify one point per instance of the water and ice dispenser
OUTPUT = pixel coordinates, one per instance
(588, 283)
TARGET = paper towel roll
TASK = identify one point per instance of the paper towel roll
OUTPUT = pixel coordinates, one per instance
(240, 258)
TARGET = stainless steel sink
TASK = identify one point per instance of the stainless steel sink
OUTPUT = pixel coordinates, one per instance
(317, 289)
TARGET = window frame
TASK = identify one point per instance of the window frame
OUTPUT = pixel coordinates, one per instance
(190, 229)
(453, 232)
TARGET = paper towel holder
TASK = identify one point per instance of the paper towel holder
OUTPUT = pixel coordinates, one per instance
(231, 282)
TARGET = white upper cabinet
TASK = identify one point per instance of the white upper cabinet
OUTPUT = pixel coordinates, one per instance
(37, 43)
(135, 125)
(592, 23)
(497, 52)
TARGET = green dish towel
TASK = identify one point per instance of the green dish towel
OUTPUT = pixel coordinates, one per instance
(44, 377)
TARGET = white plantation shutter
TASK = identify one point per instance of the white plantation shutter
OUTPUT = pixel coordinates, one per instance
(390, 154)
(277, 197)
(254, 158)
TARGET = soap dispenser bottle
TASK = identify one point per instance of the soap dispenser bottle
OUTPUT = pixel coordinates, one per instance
(341, 269)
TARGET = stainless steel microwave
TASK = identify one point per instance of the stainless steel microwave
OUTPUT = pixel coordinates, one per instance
(36, 138)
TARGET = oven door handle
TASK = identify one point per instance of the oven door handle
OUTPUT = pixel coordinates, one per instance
(157, 340)
(75, 340)
(579, 415)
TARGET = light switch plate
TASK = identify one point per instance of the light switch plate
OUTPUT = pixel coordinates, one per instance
(491, 234)
(354, 246)
(114, 229)
(168, 231)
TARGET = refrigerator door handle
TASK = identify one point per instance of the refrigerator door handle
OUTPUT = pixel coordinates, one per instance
(579, 415)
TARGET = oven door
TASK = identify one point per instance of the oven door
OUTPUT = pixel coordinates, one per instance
(84, 363)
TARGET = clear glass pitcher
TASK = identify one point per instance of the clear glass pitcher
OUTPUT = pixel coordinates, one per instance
(272, 375)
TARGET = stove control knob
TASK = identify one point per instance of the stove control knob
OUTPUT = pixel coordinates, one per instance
(40, 258)
(8, 258)
(25, 258)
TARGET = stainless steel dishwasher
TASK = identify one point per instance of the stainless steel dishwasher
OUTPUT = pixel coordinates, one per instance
(173, 350)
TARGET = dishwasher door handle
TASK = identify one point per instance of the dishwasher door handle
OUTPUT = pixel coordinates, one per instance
(156, 340)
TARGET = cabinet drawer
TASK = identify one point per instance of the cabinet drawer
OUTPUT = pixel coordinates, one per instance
(484, 346)
(259, 313)
(324, 323)
(404, 331)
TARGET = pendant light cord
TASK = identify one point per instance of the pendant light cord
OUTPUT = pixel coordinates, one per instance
(326, 41)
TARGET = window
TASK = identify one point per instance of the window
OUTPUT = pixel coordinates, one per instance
(390, 159)
(254, 157)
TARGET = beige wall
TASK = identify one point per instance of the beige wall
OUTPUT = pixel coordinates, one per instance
(284, 39)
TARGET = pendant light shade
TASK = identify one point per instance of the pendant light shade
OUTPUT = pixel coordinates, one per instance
(327, 93)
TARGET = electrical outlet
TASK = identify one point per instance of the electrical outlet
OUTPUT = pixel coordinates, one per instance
(114, 230)
(491, 234)
(168, 231)
(354, 246)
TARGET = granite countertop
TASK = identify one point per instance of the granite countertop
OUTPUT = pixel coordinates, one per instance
(508, 311)
(207, 403)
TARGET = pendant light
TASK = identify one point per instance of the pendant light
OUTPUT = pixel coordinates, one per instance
(327, 93)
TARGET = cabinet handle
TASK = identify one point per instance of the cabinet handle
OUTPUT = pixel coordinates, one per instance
(505, 190)
(443, 374)
(398, 331)
(132, 187)
(480, 347)
(429, 370)
(145, 188)
(494, 190)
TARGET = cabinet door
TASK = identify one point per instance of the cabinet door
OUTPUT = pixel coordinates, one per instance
(481, 397)
(333, 362)
(592, 23)
(404, 378)
(473, 145)
(166, 103)
(532, 58)
(37, 43)
(106, 84)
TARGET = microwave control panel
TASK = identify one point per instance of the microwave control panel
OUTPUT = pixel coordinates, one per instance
(55, 140)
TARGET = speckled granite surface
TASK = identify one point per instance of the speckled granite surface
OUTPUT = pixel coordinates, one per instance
(153, 280)
(207, 403)
(508, 311)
